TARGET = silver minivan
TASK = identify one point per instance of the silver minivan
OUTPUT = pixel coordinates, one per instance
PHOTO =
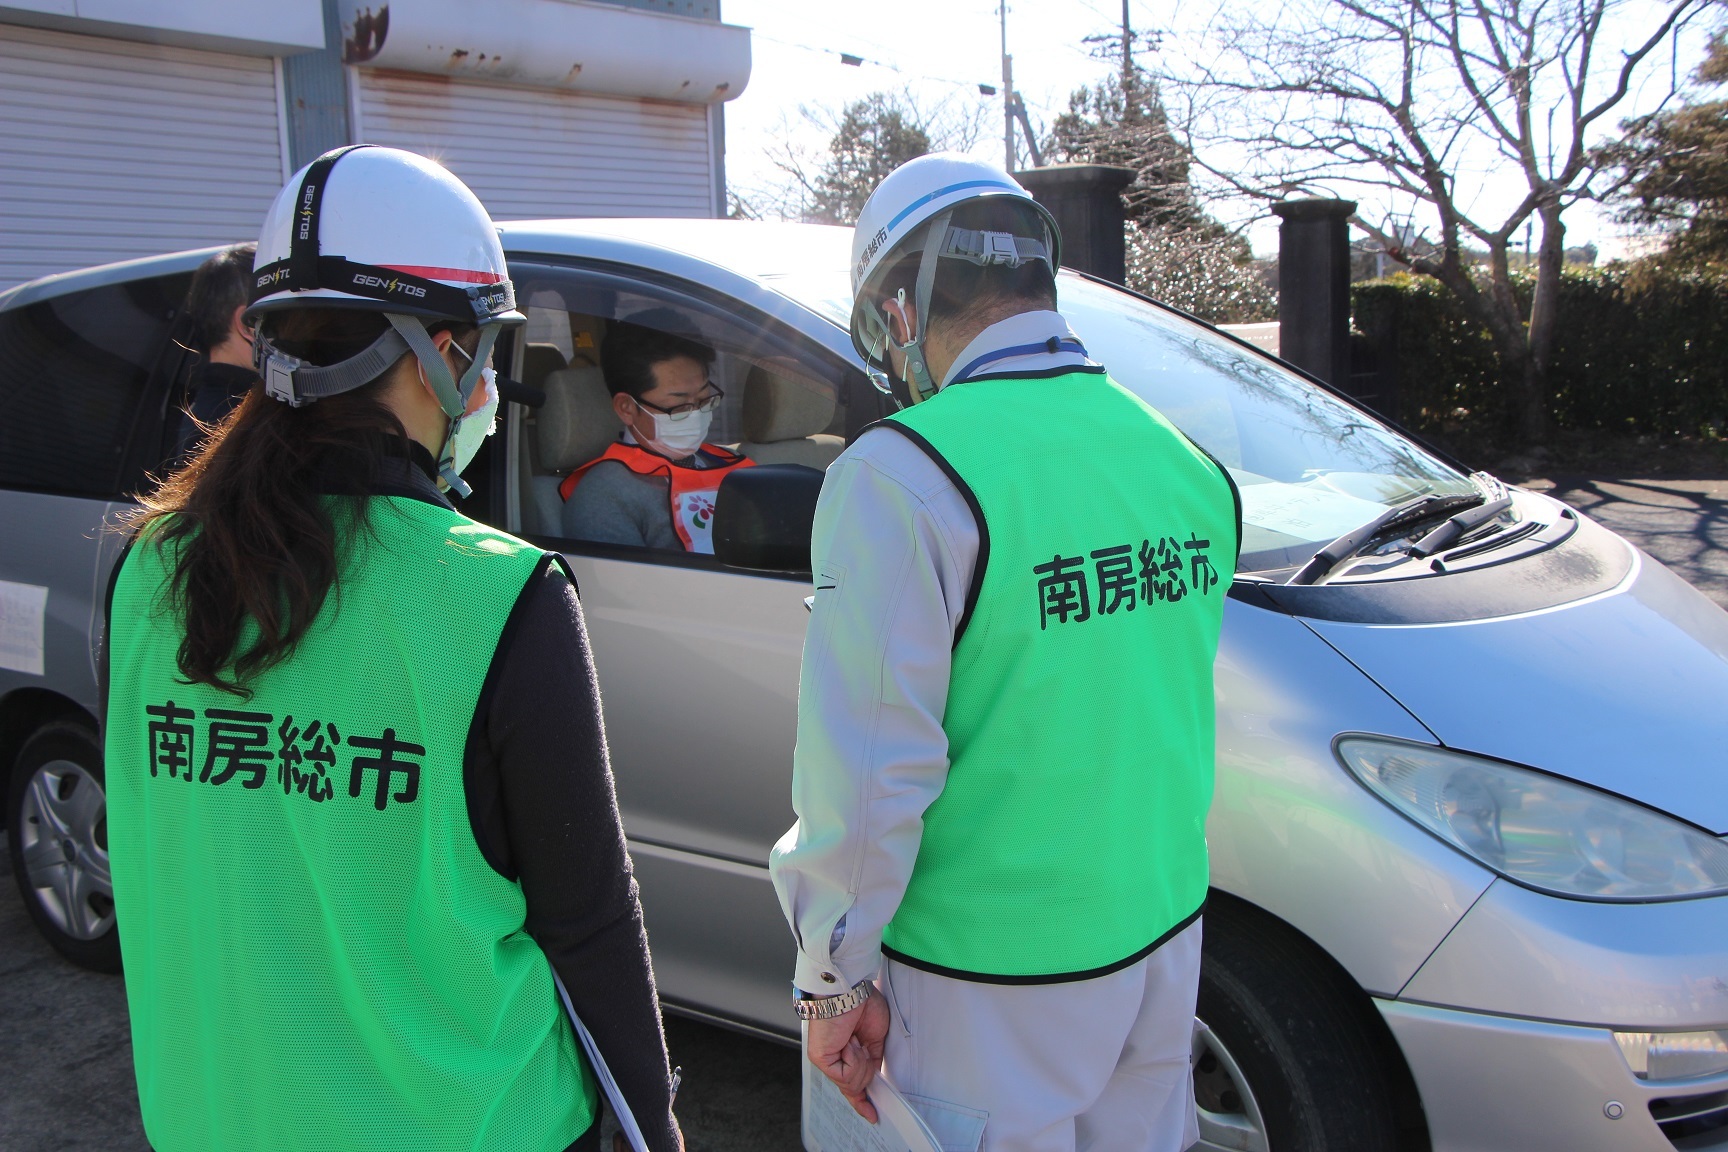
(1470, 886)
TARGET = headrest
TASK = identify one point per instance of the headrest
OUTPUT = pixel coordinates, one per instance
(779, 408)
(540, 361)
(576, 423)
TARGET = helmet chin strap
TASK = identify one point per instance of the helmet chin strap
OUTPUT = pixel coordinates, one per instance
(452, 395)
(920, 383)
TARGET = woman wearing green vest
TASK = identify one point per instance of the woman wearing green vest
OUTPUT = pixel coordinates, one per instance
(360, 811)
(1005, 716)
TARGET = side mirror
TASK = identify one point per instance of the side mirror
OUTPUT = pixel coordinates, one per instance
(762, 518)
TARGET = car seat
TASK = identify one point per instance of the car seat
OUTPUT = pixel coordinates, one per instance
(540, 360)
(786, 421)
(575, 425)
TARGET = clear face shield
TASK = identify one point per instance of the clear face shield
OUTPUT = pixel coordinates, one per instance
(909, 383)
(912, 382)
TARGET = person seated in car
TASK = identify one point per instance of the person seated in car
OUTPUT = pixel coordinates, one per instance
(654, 487)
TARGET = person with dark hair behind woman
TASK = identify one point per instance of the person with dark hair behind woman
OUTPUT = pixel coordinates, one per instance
(224, 372)
(361, 822)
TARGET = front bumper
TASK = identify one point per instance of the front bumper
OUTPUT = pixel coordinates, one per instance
(1503, 1084)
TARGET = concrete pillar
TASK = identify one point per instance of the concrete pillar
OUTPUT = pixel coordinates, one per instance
(1086, 200)
(1314, 286)
(315, 89)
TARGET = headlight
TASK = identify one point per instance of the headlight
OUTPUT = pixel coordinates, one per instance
(1541, 831)
(1674, 1055)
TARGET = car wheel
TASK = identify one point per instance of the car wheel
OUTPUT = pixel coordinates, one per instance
(1286, 1053)
(57, 833)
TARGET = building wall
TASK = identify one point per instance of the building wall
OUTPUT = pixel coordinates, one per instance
(115, 149)
(133, 128)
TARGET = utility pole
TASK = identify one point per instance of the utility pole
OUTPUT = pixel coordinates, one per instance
(1124, 50)
(1129, 104)
(1007, 94)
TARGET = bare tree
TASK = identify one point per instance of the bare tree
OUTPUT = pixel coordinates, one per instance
(1428, 100)
(826, 162)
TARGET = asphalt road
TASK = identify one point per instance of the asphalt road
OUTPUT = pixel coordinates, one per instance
(68, 1074)
(1683, 523)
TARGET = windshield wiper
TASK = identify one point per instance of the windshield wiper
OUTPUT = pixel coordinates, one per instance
(1448, 533)
(1405, 515)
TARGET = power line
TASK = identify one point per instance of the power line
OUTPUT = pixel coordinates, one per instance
(856, 60)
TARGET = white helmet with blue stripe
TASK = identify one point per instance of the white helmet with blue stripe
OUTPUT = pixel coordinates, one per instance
(908, 215)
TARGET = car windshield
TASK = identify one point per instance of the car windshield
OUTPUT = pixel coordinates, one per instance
(1310, 467)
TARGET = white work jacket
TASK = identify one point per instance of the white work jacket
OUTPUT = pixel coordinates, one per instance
(893, 550)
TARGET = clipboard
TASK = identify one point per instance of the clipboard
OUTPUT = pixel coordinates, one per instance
(830, 1125)
(627, 1125)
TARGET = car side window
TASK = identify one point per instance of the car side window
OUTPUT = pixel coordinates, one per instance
(75, 372)
(774, 400)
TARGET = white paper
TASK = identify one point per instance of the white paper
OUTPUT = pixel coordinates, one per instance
(831, 1125)
(620, 1108)
(1305, 513)
(23, 616)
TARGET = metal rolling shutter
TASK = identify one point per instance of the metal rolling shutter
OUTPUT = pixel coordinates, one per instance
(111, 149)
(531, 153)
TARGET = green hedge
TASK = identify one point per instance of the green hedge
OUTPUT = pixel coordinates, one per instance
(1637, 350)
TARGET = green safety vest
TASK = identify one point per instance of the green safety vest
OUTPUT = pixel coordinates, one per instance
(317, 955)
(1069, 839)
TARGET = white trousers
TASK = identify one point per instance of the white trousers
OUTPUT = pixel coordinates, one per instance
(1097, 1065)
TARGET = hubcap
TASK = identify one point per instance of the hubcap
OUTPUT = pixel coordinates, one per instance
(1229, 1116)
(63, 832)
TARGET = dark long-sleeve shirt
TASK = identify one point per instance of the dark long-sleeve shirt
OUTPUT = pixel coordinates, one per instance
(545, 813)
(541, 800)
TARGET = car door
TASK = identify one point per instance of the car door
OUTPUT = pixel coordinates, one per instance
(82, 425)
(698, 664)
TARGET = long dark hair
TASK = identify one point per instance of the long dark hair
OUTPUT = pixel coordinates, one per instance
(256, 540)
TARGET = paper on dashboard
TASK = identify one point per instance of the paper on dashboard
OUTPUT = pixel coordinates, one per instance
(1304, 512)
(831, 1125)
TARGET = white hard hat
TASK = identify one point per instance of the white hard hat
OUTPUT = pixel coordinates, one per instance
(384, 229)
(391, 232)
(901, 219)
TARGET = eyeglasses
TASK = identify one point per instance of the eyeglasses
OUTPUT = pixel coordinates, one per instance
(706, 402)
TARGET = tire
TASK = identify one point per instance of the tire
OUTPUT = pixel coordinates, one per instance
(57, 835)
(1289, 1054)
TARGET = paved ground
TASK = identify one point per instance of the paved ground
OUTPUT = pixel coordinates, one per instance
(1683, 523)
(68, 1079)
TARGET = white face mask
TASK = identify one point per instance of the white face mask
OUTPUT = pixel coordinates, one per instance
(676, 437)
(472, 429)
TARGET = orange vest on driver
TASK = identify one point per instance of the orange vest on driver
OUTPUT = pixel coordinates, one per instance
(690, 491)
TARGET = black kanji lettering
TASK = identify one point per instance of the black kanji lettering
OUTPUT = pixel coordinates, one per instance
(171, 740)
(313, 781)
(1201, 574)
(387, 766)
(240, 742)
(1116, 578)
(1062, 591)
(1161, 570)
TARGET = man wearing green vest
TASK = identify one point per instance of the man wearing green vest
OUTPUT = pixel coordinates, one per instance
(360, 817)
(1005, 734)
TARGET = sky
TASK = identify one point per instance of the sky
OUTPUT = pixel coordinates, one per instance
(937, 52)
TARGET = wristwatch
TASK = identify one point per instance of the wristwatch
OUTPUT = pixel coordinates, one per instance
(811, 1007)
